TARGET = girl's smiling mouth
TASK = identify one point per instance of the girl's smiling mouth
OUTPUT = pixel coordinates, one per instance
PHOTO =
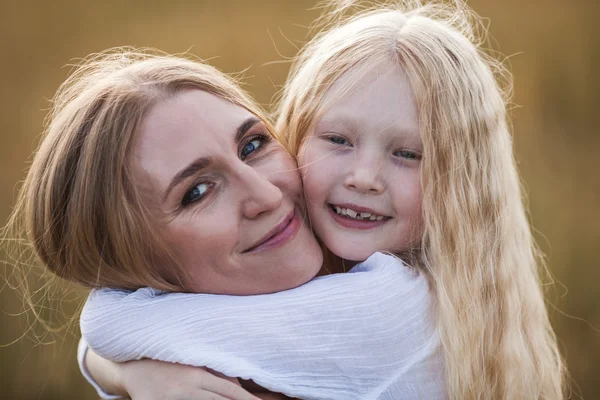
(356, 217)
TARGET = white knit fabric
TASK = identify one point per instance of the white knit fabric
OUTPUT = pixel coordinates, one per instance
(366, 334)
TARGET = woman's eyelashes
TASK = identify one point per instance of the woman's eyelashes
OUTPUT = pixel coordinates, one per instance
(196, 193)
(253, 144)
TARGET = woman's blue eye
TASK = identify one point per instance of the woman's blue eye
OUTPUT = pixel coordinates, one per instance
(338, 140)
(251, 147)
(408, 154)
(195, 194)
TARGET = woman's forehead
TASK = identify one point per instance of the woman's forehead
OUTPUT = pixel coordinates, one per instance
(189, 117)
(182, 128)
(192, 109)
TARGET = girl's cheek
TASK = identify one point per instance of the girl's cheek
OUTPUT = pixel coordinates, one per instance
(314, 183)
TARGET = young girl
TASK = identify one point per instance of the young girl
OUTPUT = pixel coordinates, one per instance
(475, 245)
(400, 132)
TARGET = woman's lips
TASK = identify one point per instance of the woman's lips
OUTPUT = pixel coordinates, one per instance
(281, 234)
(352, 223)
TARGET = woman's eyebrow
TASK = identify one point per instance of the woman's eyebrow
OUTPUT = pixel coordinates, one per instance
(245, 127)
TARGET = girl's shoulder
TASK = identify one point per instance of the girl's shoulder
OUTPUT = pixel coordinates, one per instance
(383, 269)
(384, 262)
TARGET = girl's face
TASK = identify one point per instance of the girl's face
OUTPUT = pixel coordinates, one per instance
(360, 167)
(225, 196)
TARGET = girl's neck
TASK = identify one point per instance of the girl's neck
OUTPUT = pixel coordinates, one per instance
(333, 264)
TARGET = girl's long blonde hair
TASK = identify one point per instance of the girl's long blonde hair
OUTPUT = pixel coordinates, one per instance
(477, 246)
(78, 207)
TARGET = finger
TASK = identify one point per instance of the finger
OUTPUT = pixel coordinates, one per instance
(223, 376)
(210, 396)
(226, 388)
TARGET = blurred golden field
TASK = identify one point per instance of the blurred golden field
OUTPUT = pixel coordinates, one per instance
(552, 47)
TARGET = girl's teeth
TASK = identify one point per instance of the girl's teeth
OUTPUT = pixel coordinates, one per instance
(357, 215)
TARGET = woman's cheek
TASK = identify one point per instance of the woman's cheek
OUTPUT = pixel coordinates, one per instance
(286, 174)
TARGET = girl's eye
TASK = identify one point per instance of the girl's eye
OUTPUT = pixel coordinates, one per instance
(195, 194)
(253, 145)
(338, 140)
(408, 154)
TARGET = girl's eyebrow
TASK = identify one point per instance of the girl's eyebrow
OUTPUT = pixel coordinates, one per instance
(342, 120)
(204, 162)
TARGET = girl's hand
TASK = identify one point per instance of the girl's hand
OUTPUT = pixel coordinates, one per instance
(156, 380)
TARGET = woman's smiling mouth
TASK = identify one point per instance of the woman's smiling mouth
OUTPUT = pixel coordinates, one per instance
(279, 235)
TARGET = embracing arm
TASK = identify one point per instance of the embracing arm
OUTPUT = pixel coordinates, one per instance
(106, 374)
(144, 379)
(289, 342)
(102, 374)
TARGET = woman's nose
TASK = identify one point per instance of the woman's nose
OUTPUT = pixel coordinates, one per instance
(365, 175)
(259, 194)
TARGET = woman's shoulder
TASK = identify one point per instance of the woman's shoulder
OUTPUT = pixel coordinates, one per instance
(120, 295)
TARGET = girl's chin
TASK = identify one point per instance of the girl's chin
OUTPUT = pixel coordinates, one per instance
(353, 254)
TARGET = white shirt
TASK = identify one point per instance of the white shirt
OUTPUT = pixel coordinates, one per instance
(366, 334)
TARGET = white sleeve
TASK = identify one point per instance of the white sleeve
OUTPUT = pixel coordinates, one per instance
(344, 336)
(82, 349)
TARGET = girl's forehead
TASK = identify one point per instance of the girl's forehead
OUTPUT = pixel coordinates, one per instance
(381, 99)
(362, 75)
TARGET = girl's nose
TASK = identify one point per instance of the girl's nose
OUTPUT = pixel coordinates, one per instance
(365, 175)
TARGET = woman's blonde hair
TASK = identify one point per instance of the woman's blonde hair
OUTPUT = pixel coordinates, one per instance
(78, 206)
(477, 246)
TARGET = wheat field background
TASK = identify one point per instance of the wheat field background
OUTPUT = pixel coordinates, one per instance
(551, 46)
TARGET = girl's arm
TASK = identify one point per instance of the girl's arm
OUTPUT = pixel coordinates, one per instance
(145, 379)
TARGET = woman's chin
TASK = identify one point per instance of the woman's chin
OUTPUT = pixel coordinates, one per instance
(304, 269)
(304, 274)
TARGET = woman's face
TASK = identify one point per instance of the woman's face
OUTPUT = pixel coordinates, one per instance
(225, 196)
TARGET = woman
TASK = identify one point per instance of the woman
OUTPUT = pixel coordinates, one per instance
(107, 200)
